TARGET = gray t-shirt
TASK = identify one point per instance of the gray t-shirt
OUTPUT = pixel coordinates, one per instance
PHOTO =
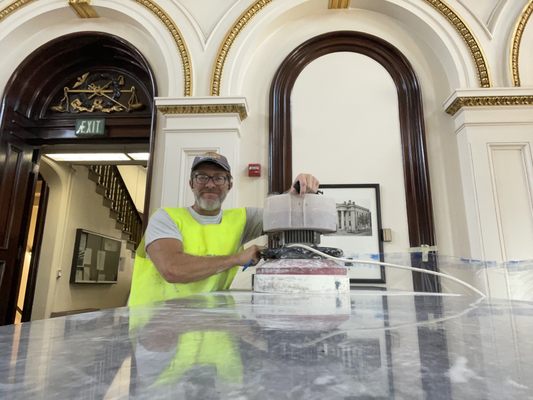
(161, 226)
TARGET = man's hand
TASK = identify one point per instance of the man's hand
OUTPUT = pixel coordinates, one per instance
(308, 184)
(249, 254)
(175, 266)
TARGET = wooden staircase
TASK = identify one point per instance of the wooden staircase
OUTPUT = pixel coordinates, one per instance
(111, 186)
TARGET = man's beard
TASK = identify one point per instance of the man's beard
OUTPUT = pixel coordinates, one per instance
(209, 204)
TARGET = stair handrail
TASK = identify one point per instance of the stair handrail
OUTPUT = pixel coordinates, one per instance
(115, 190)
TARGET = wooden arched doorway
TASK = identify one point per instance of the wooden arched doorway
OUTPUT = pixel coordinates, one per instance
(80, 75)
(414, 154)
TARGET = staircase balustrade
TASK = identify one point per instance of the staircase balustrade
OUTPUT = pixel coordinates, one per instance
(117, 197)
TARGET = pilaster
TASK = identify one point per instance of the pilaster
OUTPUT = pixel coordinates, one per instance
(188, 127)
(494, 129)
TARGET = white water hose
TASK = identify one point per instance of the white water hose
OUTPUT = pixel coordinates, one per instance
(425, 271)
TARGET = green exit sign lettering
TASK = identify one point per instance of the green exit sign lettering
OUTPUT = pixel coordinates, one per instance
(90, 127)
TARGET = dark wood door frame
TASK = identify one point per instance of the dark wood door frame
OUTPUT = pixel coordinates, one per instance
(17, 180)
(28, 121)
(414, 154)
(416, 175)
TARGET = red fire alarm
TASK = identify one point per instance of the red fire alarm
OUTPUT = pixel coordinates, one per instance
(254, 169)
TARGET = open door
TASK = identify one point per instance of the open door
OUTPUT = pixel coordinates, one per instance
(17, 180)
(33, 251)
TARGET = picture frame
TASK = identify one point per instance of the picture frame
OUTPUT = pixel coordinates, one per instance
(358, 229)
(95, 259)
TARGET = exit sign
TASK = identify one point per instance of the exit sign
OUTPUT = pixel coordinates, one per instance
(90, 127)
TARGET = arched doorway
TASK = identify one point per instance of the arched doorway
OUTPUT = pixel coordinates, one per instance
(412, 131)
(86, 76)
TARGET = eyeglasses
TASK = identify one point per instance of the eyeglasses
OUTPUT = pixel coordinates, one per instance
(218, 180)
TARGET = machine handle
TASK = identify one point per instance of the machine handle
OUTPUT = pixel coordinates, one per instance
(296, 186)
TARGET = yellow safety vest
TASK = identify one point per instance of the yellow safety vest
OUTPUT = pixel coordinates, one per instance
(221, 239)
(216, 348)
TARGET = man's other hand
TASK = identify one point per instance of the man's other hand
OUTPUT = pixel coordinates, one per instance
(308, 184)
(249, 254)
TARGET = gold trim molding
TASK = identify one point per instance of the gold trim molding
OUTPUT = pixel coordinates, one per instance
(517, 39)
(338, 4)
(228, 42)
(488, 101)
(83, 8)
(205, 109)
(468, 37)
(176, 34)
(13, 7)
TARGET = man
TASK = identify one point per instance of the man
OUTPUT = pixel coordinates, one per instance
(198, 249)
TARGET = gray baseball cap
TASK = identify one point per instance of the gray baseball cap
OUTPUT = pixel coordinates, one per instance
(211, 157)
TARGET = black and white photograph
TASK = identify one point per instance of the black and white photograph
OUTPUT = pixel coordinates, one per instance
(358, 229)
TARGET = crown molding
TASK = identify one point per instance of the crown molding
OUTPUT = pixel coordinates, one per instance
(488, 98)
(203, 105)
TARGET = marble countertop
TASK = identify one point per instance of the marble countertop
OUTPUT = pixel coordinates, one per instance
(244, 345)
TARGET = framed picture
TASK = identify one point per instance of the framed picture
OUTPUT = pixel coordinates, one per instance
(358, 229)
(96, 258)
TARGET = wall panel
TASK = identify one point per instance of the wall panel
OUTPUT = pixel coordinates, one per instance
(512, 189)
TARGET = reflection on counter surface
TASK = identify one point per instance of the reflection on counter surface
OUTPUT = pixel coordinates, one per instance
(241, 345)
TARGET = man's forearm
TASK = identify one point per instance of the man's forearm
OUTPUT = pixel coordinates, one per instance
(175, 266)
(185, 268)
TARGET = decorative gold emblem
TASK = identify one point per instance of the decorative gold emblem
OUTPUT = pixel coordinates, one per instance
(98, 92)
